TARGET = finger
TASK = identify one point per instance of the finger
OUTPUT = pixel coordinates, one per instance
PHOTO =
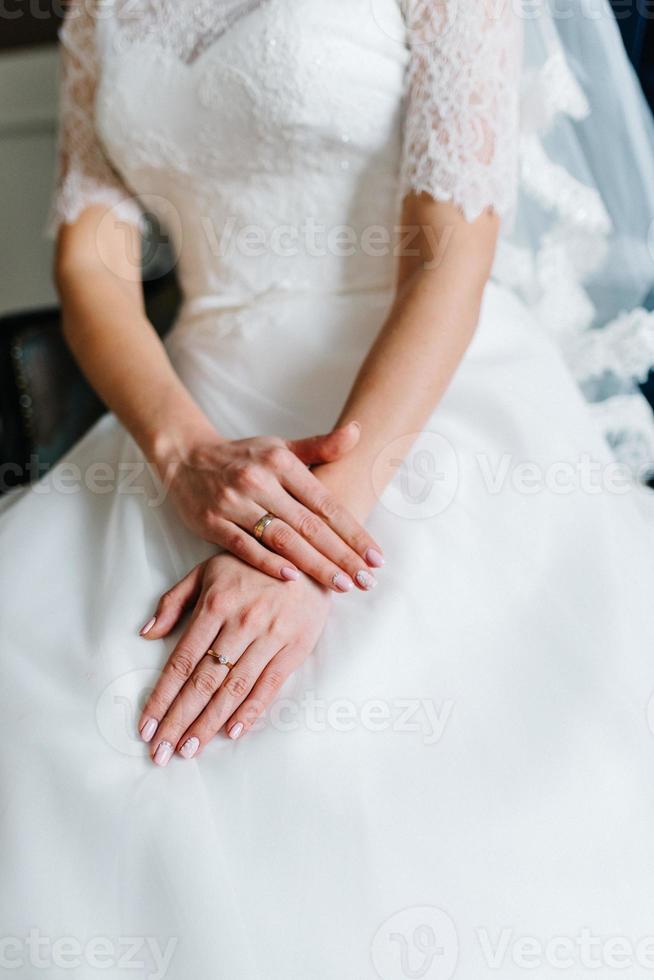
(308, 489)
(264, 692)
(318, 534)
(173, 603)
(193, 644)
(241, 543)
(198, 691)
(284, 540)
(233, 691)
(326, 448)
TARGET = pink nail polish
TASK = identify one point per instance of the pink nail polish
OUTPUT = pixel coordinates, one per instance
(374, 558)
(148, 626)
(190, 747)
(289, 574)
(236, 730)
(342, 582)
(148, 728)
(163, 754)
(366, 580)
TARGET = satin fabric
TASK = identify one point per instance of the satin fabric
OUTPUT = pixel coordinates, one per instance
(457, 782)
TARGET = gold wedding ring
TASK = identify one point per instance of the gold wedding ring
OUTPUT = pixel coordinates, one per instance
(261, 525)
(220, 658)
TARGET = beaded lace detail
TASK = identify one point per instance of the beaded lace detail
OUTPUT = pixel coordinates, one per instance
(461, 119)
(461, 128)
(186, 29)
(476, 129)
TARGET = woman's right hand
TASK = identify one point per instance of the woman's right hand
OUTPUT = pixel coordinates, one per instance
(221, 489)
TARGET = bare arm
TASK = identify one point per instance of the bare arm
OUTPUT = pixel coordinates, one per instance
(421, 344)
(106, 327)
(221, 488)
(468, 56)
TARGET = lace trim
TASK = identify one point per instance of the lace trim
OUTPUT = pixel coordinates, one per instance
(572, 250)
(557, 190)
(550, 91)
(624, 348)
(77, 192)
(552, 277)
(85, 175)
(461, 124)
(567, 255)
(627, 423)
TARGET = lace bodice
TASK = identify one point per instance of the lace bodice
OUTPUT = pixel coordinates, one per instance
(275, 139)
(459, 100)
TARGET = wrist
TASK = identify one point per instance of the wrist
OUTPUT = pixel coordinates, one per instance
(176, 442)
(351, 484)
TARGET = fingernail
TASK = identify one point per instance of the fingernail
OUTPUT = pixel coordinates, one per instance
(148, 626)
(148, 728)
(190, 747)
(374, 557)
(290, 574)
(236, 730)
(366, 580)
(354, 422)
(163, 754)
(342, 582)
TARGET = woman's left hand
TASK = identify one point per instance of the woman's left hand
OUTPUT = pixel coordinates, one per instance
(264, 627)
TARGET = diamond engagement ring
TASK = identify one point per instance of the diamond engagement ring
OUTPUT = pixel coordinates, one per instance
(220, 658)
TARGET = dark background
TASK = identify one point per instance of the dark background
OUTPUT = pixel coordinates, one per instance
(636, 21)
(28, 22)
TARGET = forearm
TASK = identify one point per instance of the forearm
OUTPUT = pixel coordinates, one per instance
(120, 353)
(411, 363)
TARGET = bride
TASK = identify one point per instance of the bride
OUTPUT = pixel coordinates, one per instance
(395, 680)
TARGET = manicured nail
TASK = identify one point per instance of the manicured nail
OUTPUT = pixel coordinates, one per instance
(148, 626)
(366, 580)
(190, 747)
(374, 558)
(289, 574)
(342, 582)
(236, 730)
(148, 728)
(163, 754)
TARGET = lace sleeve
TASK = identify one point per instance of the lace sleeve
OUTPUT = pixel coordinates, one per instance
(462, 115)
(85, 176)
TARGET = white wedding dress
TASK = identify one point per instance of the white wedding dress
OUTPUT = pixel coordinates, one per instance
(460, 781)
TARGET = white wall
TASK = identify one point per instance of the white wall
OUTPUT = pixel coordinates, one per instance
(28, 113)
